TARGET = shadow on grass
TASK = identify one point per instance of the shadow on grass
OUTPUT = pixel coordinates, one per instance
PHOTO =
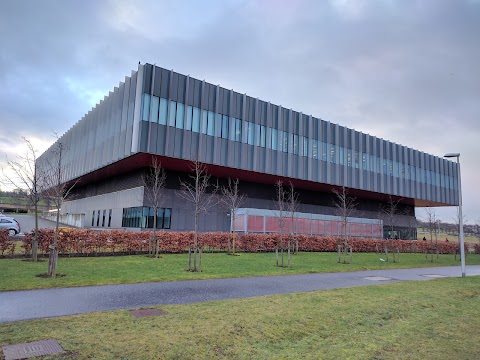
(45, 275)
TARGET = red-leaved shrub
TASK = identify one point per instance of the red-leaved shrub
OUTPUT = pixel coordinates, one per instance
(84, 241)
(6, 246)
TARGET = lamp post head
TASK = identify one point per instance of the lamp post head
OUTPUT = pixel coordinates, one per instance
(452, 155)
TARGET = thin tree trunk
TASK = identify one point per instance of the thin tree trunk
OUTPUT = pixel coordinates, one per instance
(155, 240)
(200, 259)
(276, 254)
(189, 258)
(53, 258)
(195, 244)
(35, 236)
(233, 243)
(150, 252)
(288, 257)
(282, 257)
(232, 219)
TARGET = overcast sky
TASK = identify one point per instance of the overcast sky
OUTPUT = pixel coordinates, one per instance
(406, 71)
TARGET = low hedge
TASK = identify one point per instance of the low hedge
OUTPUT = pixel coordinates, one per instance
(82, 241)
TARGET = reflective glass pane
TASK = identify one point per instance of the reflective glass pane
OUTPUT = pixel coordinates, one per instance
(167, 218)
(196, 120)
(232, 128)
(173, 113)
(263, 136)
(188, 125)
(160, 218)
(250, 133)
(218, 125)
(163, 112)
(180, 116)
(238, 130)
(257, 134)
(146, 106)
(225, 124)
(211, 124)
(314, 143)
(154, 109)
(204, 121)
(274, 139)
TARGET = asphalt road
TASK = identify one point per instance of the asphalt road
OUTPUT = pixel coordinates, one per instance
(34, 304)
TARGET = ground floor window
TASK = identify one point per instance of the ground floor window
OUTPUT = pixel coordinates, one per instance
(143, 217)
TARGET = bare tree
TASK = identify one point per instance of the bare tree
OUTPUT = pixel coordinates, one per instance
(390, 213)
(154, 185)
(57, 190)
(24, 173)
(345, 206)
(232, 199)
(195, 192)
(477, 229)
(281, 203)
(292, 209)
(432, 223)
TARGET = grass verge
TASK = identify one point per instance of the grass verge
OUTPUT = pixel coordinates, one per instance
(19, 274)
(436, 319)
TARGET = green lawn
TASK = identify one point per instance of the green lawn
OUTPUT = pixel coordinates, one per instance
(20, 274)
(436, 319)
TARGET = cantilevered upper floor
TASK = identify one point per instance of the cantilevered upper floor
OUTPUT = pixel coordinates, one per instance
(179, 118)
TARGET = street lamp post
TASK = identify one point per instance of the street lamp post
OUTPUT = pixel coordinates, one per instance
(460, 216)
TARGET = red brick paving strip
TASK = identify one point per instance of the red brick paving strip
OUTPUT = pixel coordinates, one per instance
(147, 312)
(27, 350)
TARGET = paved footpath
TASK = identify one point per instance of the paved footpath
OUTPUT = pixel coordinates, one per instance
(34, 304)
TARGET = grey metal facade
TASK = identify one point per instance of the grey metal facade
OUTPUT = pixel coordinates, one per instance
(158, 111)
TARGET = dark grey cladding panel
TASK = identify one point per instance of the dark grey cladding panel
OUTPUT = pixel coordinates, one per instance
(197, 98)
(178, 144)
(209, 97)
(157, 82)
(191, 147)
(161, 135)
(208, 156)
(186, 145)
(226, 101)
(250, 115)
(152, 148)
(182, 79)
(169, 141)
(174, 87)
(164, 90)
(223, 152)
(144, 131)
(238, 105)
(147, 79)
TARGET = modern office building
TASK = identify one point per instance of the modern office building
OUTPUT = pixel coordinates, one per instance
(176, 118)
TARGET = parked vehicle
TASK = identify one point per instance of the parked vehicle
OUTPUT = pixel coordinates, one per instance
(10, 224)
